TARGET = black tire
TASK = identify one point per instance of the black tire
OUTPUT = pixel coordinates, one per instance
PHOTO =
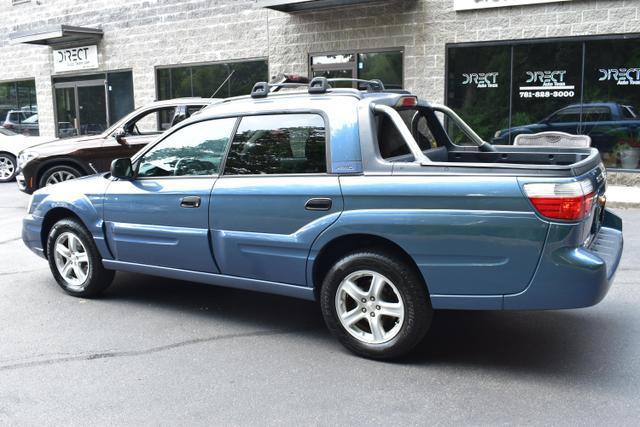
(417, 304)
(9, 161)
(61, 170)
(97, 277)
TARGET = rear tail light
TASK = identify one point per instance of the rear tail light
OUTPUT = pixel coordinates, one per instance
(571, 201)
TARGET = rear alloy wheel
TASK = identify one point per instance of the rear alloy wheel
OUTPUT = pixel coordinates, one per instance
(59, 174)
(7, 167)
(369, 307)
(75, 261)
(376, 304)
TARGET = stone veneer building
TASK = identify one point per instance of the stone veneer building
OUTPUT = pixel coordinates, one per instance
(508, 66)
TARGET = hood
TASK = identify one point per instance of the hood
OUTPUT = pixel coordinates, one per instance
(85, 185)
(16, 143)
(67, 145)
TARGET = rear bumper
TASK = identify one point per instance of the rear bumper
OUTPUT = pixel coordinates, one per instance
(570, 277)
(31, 227)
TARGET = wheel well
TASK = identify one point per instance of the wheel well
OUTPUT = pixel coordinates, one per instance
(44, 168)
(53, 216)
(343, 245)
(7, 153)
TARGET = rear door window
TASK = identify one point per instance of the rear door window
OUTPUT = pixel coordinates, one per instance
(596, 114)
(278, 144)
(568, 115)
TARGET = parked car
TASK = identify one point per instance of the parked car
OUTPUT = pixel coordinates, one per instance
(22, 121)
(70, 158)
(10, 145)
(330, 196)
(607, 123)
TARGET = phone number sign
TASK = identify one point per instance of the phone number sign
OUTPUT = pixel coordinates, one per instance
(75, 58)
(547, 84)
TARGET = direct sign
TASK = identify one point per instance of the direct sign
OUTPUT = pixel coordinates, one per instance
(485, 4)
(547, 84)
(75, 58)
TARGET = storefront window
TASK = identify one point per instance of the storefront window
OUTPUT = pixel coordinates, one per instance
(479, 89)
(579, 86)
(611, 99)
(18, 107)
(547, 81)
(385, 66)
(228, 79)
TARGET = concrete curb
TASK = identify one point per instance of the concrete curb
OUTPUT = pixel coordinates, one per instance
(623, 197)
(623, 205)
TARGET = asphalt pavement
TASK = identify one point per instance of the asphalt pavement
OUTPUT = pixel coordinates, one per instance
(155, 351)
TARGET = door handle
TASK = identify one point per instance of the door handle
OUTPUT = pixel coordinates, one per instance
(190, 202)
(318, 204)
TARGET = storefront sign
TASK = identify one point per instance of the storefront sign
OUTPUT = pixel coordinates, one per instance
(481, 80)
(547, 84)
(622, 76)
(485, 4)
(75, 58)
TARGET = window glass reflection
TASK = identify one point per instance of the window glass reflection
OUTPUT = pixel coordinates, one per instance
(222, 79)
(587, 87)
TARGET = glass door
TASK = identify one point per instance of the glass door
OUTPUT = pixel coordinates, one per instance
(92, 109)
(81, 108)
(66, 112)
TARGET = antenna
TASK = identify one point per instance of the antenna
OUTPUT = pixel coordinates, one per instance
(223, 83)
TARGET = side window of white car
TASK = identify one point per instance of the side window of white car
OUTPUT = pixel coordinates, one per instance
(193, 150)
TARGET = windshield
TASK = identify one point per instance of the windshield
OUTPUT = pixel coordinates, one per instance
(32, 119)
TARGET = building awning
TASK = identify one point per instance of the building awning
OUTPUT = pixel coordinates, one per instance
(58, 36)
(306, 5)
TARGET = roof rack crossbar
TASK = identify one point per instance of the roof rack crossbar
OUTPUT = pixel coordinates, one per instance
(374, 85)
(316, 85)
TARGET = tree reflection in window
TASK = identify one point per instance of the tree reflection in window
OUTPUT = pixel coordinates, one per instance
(278, 144)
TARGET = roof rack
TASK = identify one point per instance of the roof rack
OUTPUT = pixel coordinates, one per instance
(316, 86)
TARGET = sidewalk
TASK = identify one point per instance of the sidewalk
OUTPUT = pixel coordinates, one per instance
(619, 196)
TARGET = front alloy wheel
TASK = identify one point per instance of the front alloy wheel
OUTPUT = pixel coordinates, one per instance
(60, 176)
(57, 174)
(72, 261)
(75, 261)
(7, 167)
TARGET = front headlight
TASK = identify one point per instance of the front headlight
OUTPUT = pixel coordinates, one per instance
(25, 157)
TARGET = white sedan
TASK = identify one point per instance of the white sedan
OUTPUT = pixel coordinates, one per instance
(10, 145)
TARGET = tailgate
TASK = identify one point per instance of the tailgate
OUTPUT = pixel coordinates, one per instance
(593, 222)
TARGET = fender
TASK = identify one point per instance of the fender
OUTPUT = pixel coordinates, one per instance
(71, 196)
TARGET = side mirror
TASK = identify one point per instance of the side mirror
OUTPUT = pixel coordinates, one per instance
(122, 168)
(119, 135)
